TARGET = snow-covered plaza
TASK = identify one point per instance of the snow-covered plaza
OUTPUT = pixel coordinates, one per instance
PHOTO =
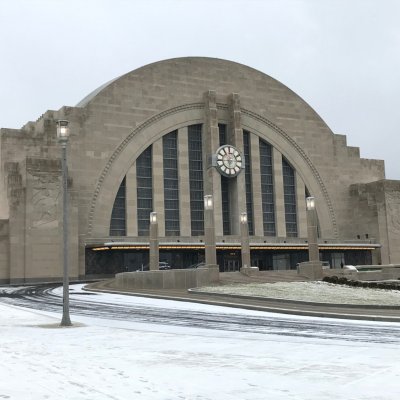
(105, 358)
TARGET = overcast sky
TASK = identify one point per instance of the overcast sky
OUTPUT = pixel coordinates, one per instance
(342, 57)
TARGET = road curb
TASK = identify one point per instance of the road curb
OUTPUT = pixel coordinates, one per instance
(280, 310)
(299, 302)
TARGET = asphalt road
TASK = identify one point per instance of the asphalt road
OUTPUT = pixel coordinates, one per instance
(43, 297)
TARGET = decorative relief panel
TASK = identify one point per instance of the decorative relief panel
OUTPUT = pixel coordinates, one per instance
(393, 211)
(46, 189)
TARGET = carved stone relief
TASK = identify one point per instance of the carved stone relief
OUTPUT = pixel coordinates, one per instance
(44, 200)
(393, 211)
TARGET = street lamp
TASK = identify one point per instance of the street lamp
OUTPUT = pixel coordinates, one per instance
(244, 238)
(312, 232)
(209, 231)
(154, 246)
(310, 201)
(208, 202)
(62, 136)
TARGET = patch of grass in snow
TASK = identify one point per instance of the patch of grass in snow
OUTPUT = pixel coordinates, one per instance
(321, 292)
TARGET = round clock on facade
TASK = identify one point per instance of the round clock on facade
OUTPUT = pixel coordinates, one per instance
(229, 161)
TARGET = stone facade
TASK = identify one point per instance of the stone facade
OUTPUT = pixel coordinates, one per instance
(113, 126)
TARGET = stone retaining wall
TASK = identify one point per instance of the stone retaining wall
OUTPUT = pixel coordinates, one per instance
(385, 272)
(167, 279)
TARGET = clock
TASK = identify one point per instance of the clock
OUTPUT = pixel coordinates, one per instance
(228, 160)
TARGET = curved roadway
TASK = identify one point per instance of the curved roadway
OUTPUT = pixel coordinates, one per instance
(47, 297)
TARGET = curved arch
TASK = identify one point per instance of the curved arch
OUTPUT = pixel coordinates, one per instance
(300, 161)
(129, 149)
(127, 152)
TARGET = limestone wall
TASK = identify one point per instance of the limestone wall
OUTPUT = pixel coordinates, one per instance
(375, 209)
(112, 127)
(4, 251)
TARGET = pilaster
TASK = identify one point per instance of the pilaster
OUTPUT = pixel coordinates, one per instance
(184, 189)
(301, 207)
(256, 185)
(158, 185)
(238, 185)
(212, 179)
(131, 202)
(280, 223)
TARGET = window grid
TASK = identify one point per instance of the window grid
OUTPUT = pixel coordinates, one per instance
(225, 205)
(222, 134)
(226, 223)
(171, 184)
(118, 215)
(267, 188)
(196, 180)
(247, 175)
(144, 190)
(289, 190)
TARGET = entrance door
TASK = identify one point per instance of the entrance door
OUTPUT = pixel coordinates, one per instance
(231, 265)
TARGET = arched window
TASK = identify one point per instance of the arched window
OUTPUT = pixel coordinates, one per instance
(267, 188)
(289, 190)
(118, 215)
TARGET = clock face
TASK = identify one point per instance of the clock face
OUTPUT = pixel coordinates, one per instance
(229, 161)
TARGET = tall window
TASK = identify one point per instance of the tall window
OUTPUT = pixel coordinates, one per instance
(144, 185)
(247, 176)
(171, 186)
(222, 134)
(118, 215)
(267, 188)
(196, 180)
(226, 213)
(289, 190)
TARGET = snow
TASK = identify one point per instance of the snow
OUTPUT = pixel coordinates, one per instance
(112, 359)
(321, 292)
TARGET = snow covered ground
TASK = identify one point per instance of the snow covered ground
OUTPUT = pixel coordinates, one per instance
(321, 292)
(101, 358)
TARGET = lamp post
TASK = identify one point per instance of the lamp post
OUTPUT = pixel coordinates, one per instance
(209, 231)
(312, 233)
(62, 136)
(244, 238)
(154, 247)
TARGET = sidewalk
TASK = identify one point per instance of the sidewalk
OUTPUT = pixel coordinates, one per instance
(358, 312)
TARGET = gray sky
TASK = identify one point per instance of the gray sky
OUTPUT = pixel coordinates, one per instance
(342, 57)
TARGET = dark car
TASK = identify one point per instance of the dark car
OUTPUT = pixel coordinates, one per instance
(162, 265)
(197, 265)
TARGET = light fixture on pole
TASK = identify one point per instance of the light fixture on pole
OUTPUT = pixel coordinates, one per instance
(209, 231)
(208, 202)
(63, 136)
(153, 217)
(244, 238)
(154, 245)
(312, 231)
(310, 202)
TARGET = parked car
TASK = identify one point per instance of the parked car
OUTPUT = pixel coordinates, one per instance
(162, 265)
(197, 265)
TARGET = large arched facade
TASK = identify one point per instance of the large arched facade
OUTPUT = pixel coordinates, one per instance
(147, 141)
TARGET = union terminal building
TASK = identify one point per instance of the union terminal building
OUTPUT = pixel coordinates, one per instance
(162, 137)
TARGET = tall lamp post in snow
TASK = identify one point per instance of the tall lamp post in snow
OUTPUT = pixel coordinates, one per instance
(209, 231)
(209, 239)
(312, 232)
(154, 247)
(62, 136)
(244, 238)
